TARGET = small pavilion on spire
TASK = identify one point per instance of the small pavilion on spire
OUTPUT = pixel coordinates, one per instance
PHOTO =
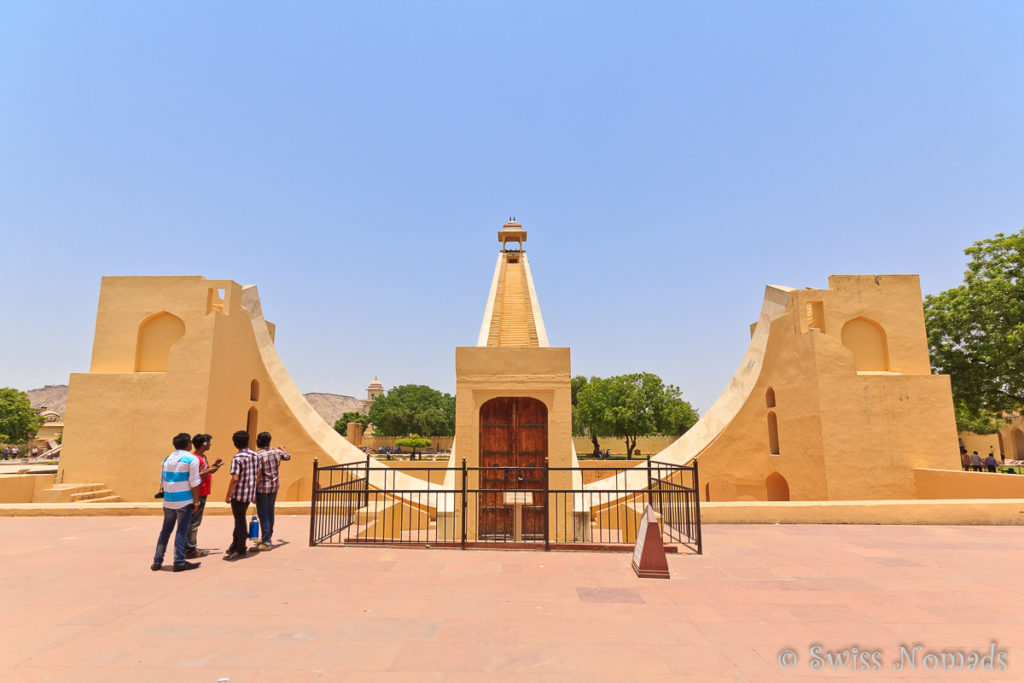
(511, 231)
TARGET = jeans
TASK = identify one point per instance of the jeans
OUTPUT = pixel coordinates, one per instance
(193, 531)
(241, 532)
(265, 510)
(180, 516)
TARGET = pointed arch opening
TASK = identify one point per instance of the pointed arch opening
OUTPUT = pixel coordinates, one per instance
(157, 334)
(776, 487)
(866, 339)
(773, 433)
(252, 425)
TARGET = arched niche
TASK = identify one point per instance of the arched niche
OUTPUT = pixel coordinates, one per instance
(252, 424)
(866, 339)
(773, 433)
(776, 487)
(157, 334)
(769, 397)
(254, 390)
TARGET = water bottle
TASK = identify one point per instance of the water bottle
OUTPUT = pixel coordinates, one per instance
(254, 528)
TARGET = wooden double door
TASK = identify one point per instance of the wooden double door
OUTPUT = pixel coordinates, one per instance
(513, 441)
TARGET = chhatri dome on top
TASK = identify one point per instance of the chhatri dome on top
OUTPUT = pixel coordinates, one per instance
(511, 231)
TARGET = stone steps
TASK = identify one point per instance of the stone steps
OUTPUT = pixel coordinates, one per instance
(93, 495)
(77, 493)
(512, 321)
(104, 499)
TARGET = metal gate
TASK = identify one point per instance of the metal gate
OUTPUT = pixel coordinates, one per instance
(445, 506)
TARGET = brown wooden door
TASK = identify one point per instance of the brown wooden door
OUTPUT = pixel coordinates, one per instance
(514, 438)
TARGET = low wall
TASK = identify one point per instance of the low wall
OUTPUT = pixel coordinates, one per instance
(23, 488)
(418, 469)
(595, 470)
(970, 512)
(940, 484)
(982, 443)
(648, 445)
(440, 443)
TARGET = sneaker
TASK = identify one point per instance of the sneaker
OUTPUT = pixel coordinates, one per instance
(263, 546)
(193, 554)
(185, 566)
(156, 566)
(254, 549)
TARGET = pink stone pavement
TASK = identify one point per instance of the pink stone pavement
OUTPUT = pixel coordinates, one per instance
(79, 603)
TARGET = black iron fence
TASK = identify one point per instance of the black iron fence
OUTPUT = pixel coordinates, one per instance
(539, 507)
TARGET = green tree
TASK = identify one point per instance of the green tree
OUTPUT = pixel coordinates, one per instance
(415, 442)
(341, 424)
(18, 422)
(975, 421)
(631, 406)
(976, 332)
(676, 415)
(413, 409)
(586, 421)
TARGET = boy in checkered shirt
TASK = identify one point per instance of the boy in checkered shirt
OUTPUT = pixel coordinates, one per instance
(245, 475)
(266, 491)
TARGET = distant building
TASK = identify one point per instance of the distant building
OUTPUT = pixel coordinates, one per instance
(48, 433)
(374, 390)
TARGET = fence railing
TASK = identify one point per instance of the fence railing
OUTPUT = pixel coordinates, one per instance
(540, 507)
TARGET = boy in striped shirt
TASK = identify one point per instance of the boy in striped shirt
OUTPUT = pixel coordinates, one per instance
(179, 482)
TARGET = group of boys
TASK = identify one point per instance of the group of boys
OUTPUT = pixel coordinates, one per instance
(9, 453)
(975, 463)
(185, 485)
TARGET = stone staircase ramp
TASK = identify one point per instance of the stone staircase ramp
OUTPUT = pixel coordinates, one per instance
(77, 493)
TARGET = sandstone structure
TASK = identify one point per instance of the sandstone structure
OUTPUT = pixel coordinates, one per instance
(833, 400)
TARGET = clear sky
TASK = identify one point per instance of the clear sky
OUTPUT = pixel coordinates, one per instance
(355, 160)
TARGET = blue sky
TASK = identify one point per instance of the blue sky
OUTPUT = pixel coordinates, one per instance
(355, 160)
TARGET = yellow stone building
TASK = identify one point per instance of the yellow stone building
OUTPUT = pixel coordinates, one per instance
(513, 402)
(834, 400)
(185, 354)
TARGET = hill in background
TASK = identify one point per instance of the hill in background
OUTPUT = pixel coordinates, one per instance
(332, 406)
(52, 397)
(329, 406)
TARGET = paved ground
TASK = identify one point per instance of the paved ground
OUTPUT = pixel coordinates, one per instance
(80, 603)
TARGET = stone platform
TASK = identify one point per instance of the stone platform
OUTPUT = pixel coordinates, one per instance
(80, 604)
